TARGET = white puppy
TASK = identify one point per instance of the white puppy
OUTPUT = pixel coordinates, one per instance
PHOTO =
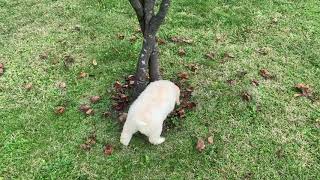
(149, 110)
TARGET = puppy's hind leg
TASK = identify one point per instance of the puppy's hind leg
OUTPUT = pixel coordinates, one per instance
(154, 137)
(126, 134)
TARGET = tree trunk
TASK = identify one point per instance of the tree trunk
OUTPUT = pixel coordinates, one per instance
(148, 62)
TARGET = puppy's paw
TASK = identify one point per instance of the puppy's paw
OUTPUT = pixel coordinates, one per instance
(157, 141)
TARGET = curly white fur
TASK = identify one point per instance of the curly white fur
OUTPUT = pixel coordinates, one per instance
(149, 110)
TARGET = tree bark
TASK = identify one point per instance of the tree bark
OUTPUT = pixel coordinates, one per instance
(148, 62)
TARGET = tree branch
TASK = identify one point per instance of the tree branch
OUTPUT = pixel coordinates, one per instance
(138, 7)
(158, 19)
(148, 14)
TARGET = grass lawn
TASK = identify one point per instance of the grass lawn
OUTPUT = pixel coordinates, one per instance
(273, 136)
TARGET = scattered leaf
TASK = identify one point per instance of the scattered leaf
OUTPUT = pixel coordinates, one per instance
(193, 67)
(200, 145)
(210, 55)
(108, 149)
(94, 62)
(1, 66)
(43, 56)
(106, 114)
(255, 82)
(82, 74)
(61, 85)
(68, 60)
(228, 55)
(84, 107)
(133, 38)
(90, 112)
(210, 139)
(95, 99)
(137, 30)
(28, 86)
(265, 73)
(120, 36)
(161, 41)
(183, 75)
(232, 82)
(304, 89)
(180, 112)
(189, 105)
(181, 40)
(60, 110)
(246, 96)
(117, 85)
(90, 141)
(122, 117)
(264, 51)
(181, 52)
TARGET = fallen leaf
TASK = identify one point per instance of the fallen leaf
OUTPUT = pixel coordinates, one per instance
(61, 85)
(189, 105)
(246, 96)
(183, 75)
(255, 82)
(181, 52)
(94, 62)
(304, 89)
(181, 40)
(91, 140)
(84, 107)
(193, 67)
(108, 149)
(120, 36)
(1, 66)
(123, 97)
(232, 82)
(264, 51)
(95, 99)
(122, 117)
(228, 55)
(28, 86)
(117, 85)
(200, 145)
(265, 73)
(106, 114)
(133, 39)
(210, 55)
(60, 110)
(68, 60)
(43, 56)
(180, 112)
(90, 112)
(137, 30)
(210, 139)
(161, 41)
(82, 74)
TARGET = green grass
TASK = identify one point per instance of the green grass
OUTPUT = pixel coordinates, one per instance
(274, 136)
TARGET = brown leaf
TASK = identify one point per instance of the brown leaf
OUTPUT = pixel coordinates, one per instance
(137, 30)
(43, 56)
(181, 40)
(190, 89)
(117, 85)
(106, 114)
(264, 51)
(193, 67)
(94, 62)
(133, 39)
(183, 75)
(304, 89)
(61, 85)
(246, 96)
(108, 149)
(90, 112)
(120, 36)
(28, 86)
(161, 41)
(68, 59)
(200, 145)
(91, 140)
(122, 117)
(84, 107)
(1, 66)
(130, 78)
(181, 52)
(265, 73)
(210, 139)
(60, 110)
(232, 82)
(189, 105)
(180, 112)
(255, 82)
(210, 55)
(119, 106)
(123, 97)
(228, 55)
(82, 74)
(95, 99)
